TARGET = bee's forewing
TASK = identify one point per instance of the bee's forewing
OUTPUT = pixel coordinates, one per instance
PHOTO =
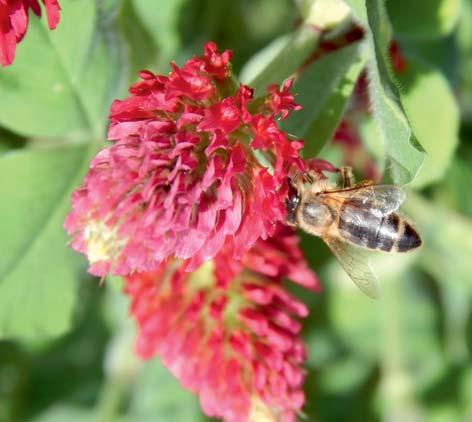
(355, 262)
(379, 199)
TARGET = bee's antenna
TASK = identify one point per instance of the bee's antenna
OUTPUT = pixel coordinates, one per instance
(294, 180)
(309, 177)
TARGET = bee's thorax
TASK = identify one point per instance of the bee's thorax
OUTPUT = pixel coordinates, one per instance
(313, 216)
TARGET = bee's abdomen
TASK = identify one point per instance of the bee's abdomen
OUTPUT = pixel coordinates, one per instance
(389, 233)
(408, 239)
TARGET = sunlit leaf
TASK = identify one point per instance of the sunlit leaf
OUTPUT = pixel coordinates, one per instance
(63, 413)
(428, 98)
(161, 21)
(456, 302)
(423, 19)
(259, 61)
(454, 190)
(38, 272)
(63, 81)
(446, 257)
(444, 412)
(466, 390)
(372, 142)
(158, 396)
(358, 8)
(397, 329)
(405, 154)
(323, 90)
(141, 48)
(447, 239)
(289, 58)
(154, 393)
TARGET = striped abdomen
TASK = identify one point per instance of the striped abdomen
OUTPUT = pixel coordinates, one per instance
(389, 233)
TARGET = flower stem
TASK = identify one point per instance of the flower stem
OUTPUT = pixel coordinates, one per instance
(397, 384)
(110, 400)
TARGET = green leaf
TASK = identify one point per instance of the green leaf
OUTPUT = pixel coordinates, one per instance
(154, 394)
(466, 390)
(259, 61)
(141, 48)
(344, 375)
(65, 412)
(321, 345)
(428, 98)
(444, 412)
(463, 34)
(157, 395)
(456, 302)
(360, 326)
(359, 9)
(404, 153)
(290, 57)
(454, 190)
(63, 81)
(447, 242)
(323, 90)
(9, 141)
(332, 153)
(423, 19)
(371, 140)
(161, 20)
(397, 329)
(38, 272)
(446, 257)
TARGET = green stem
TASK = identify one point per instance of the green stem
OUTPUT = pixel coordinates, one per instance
(457, 309)
(109, 402)
(397, 385)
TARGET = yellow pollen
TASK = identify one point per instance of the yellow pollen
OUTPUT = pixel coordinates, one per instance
(103, 242)
(261, 412)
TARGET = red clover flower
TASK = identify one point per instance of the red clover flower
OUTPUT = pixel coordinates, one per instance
(229, 331)
(14, 23)
(196, 163)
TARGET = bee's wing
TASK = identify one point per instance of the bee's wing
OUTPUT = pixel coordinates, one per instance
(379, 199)
(355, 262)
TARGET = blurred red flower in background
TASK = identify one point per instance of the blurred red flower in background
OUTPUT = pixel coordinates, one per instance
(14, 23)
(196, 163)
(229, 331)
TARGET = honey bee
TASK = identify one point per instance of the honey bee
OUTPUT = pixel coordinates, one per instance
(352, 220)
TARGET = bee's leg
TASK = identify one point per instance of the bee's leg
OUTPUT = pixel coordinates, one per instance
(365, 183)
(298, 180)
(348, 176)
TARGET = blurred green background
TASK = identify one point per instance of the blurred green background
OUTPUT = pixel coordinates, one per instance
(66, 348)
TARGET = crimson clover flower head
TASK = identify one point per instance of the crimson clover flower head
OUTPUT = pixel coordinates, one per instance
(14, 23)
(196, 163)
(229, 331)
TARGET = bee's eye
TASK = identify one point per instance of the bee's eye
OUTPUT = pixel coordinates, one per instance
(292, 202)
